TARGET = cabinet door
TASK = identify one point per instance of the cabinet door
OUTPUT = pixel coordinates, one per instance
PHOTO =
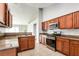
(62, 22)
(44, 40)
(76, 19)
(59, 44)
(77, 24)
(8, 52)
(69, 21)
(43, 26)
(46, 25)
(2, 13)
(23, 43)
(65, 49)
(40, 40)
(74, 48)
(10, 20)
(55, 20)
(31, 42)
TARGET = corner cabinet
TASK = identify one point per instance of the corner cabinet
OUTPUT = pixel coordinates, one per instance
(4, 15)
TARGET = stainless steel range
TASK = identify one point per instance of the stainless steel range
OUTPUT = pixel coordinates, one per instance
(51, 40)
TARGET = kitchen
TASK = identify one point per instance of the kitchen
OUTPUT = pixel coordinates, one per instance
(52, 27)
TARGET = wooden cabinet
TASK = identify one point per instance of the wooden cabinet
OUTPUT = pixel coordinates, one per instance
(31, 42)
(59, 44)
(26, 43)
(5, 16)
(68, 46)
(65, 48)
(8, 52)
(66, 22)
(45, 26)
(23, 43)
(74, 48)
(76, 19)
(62, 22)
(69, 21)
(9, 24)
(43, 39)
(8, 21)
(62, 45)
(2, 13)
(55, 20)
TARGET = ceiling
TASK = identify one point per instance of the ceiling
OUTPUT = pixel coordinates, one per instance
(39, 5)
(23, 13)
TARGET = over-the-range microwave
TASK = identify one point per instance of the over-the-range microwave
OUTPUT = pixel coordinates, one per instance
(53, 26)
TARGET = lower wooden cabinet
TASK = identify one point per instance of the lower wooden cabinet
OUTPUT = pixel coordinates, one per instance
(23, 43)
(8, 52)
(31, 42)
(65, 48)
(74, 48)
(26, 43)
(59, 44)
(62, 45)
(68, 46)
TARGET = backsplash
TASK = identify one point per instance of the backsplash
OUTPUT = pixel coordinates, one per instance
(70, 31)
(65, 31)
(2, 30)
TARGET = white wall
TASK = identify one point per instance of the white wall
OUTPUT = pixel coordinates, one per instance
(30, 28)
(59, 9)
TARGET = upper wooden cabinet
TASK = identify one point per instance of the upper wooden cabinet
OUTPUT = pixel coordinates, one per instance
(5, 16)
(9, 20)
(69, 21)
(62, 22)
(55, 20)
(66, 21)
(45, 26)
(2, 13)
(76, 19)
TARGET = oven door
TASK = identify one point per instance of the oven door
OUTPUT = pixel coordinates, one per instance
(50, 42)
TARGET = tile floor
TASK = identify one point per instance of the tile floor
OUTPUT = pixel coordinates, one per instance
(40, 50)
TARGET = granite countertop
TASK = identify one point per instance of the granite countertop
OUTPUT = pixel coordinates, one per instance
(70, 37)
(9, 42)
(43, 33)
